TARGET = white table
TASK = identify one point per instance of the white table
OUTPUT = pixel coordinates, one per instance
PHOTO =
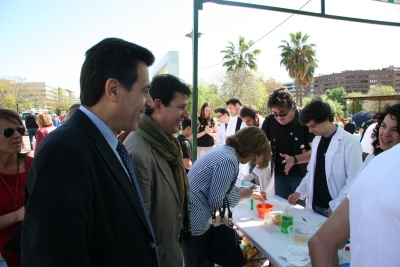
(269, 244)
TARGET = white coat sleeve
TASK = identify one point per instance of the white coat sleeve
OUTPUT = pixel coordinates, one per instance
(353, 163)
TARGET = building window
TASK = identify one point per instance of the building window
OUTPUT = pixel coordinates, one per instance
(373, 76)
(373, 81)
(397, 74)
(386, 76)
(364, 81)
(397, 85)
(342, 77)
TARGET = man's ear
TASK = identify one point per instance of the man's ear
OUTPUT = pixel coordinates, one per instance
(157, 105)
(256, 117)
(111, 89)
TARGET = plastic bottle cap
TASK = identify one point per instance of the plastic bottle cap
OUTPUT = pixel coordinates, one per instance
(347, 248)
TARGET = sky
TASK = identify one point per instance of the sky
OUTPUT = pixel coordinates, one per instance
(45, 41)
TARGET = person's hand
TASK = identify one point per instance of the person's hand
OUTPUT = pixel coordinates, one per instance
(19, 214)
(245, 192)
(260, 196)
(288, 161)
(208, 130)
(293, 198)
(329, 211)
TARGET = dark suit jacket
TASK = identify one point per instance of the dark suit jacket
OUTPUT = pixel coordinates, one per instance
(80, 206)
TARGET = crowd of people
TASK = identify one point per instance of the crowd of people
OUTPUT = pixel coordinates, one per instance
(113, 186)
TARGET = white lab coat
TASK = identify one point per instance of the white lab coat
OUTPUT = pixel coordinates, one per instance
(342, 162)
(221, 135)
(267, 183)
(230, 130)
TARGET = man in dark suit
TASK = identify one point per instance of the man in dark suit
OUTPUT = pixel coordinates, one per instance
(82, 202)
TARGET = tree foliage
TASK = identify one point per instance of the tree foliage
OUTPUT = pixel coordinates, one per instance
(358, 104)
(19, 94)
(58, 100)
(379, 90)
(299, 59)
(337, 94)
(240, 56)
(245, 85)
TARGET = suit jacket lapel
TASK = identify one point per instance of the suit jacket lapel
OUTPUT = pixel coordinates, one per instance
(166, 170)
(113, 163)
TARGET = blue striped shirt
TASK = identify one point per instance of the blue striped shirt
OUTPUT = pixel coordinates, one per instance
(210, 178)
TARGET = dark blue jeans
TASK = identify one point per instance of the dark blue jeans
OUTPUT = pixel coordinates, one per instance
(195, 251)
(286, 185)
(320, 210)
(32, 133)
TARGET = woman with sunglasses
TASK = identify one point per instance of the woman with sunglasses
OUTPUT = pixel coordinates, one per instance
(45, 127)
(14, 167)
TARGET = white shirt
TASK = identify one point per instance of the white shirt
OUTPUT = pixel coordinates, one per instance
(230, 130)
(342, 162)
(375, 212)
(366, 142)
(221, 135)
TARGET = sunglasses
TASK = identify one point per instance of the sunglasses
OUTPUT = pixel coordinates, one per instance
(8, 132)
(280, 114)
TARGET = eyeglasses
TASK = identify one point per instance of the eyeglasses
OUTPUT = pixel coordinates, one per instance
(280, 114)
(219, 116)
(8, 132)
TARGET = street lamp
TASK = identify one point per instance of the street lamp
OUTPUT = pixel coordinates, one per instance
(190, 35)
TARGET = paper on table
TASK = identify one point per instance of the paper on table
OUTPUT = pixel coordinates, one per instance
(297, 256)
(309, 221)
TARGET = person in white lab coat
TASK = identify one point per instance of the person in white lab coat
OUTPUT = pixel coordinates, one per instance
(223, 116)
(334, 163)
(235, 124)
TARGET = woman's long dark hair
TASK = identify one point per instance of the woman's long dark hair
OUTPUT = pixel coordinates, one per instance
(394, 112)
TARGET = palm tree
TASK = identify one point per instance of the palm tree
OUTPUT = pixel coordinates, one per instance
(240, 56)
(298, 57)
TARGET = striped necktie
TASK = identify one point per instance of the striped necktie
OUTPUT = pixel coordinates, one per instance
(123, 153)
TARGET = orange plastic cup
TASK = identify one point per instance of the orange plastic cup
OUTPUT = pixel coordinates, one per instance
(262, 209)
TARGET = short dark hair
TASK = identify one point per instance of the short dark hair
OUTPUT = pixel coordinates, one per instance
(249, 110)
(316, 110)
(222, 110)
(110, 58)
(281, 98)
(394, 111)
(164, 87)
(186, 122)
(234, 101)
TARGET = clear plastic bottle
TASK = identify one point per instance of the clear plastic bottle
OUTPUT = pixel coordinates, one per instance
(202, 152)
(287, 220)
(346, 255)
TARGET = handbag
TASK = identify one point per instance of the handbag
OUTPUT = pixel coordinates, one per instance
(223, 241)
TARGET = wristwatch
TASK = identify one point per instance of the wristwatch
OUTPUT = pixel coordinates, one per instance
(295, 159)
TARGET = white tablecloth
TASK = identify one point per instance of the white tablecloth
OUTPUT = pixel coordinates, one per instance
(270, 244)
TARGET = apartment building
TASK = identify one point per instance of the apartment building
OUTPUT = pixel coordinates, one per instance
(353, 80)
